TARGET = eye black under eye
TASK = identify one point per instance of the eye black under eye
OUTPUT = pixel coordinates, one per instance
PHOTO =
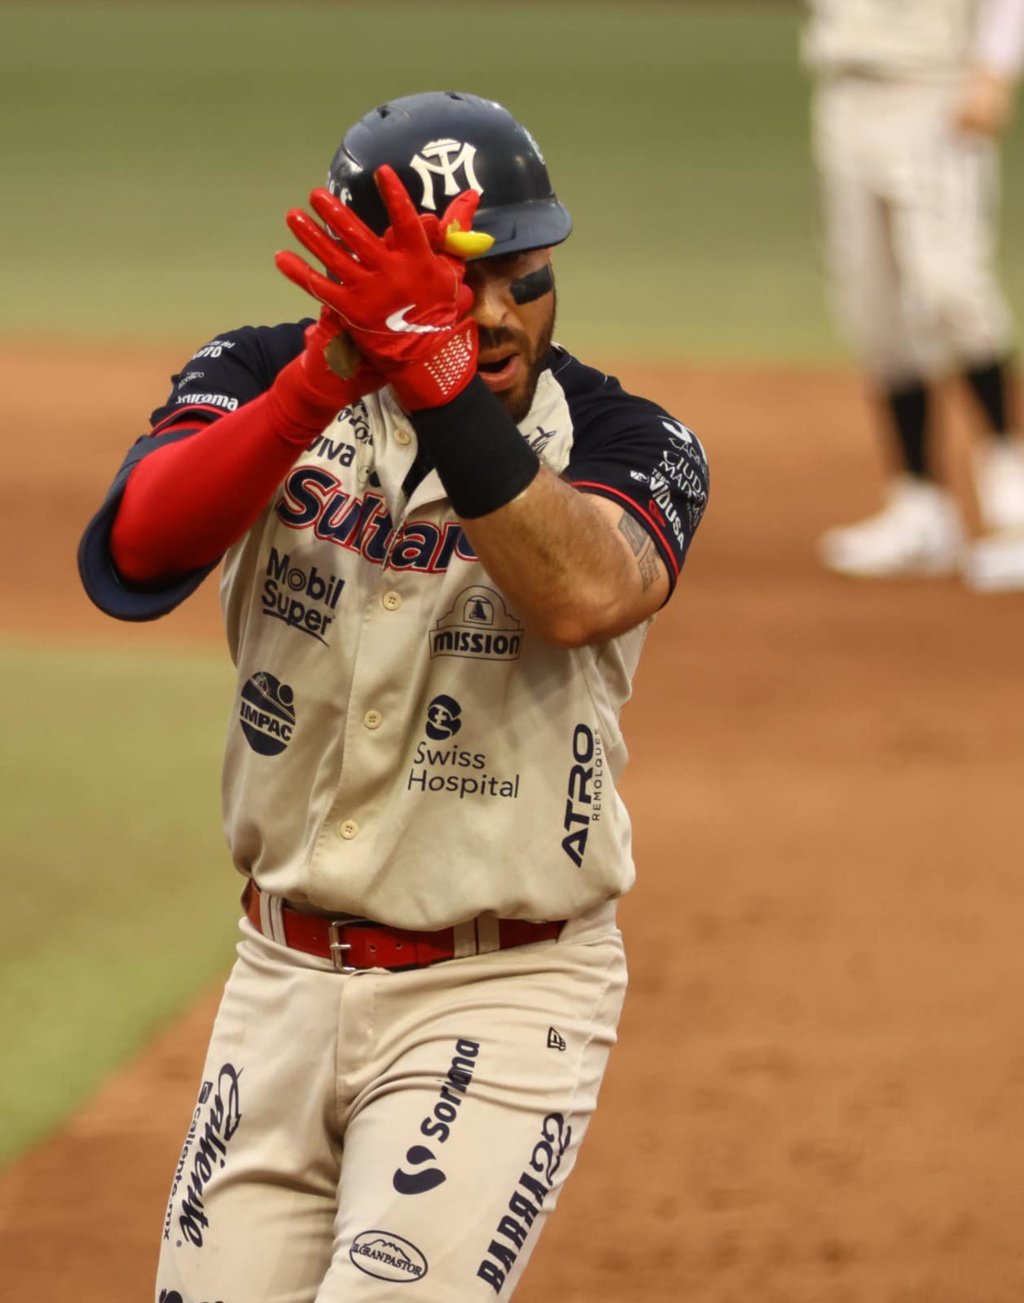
(534, 285)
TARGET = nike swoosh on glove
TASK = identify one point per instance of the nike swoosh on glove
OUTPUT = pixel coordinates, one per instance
(402, 296)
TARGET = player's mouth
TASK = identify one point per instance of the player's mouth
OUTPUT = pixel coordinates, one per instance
(499, 369)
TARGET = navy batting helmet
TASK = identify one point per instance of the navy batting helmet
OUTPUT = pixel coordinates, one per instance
(443, 142)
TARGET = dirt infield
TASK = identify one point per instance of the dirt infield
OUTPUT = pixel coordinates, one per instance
(818, 1096)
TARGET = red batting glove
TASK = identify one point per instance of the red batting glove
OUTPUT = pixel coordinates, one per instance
(306, 393)
(401, 297)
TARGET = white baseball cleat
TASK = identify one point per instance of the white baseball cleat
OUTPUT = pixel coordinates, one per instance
(995, 562)
(918, 533)
(999, 480)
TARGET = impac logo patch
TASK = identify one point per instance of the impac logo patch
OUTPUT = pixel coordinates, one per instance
(444, 160)
(267, 713)
(478, 627)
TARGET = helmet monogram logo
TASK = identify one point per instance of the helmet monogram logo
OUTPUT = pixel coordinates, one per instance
(444, 158)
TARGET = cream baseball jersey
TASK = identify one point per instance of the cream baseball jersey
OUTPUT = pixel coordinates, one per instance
(400, 746)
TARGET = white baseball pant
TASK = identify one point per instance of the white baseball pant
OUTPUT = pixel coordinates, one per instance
(359, 1135)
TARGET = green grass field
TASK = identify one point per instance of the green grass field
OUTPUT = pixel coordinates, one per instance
(150, 153)
(120, 901)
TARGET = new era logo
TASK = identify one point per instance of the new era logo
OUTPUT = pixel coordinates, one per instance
(555, 1042)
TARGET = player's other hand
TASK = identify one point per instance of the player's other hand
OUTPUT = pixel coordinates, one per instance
(327, 375)
(331, 361)
(986, 103)
(401, 296)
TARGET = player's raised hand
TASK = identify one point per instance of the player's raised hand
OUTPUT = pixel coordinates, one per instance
(401, 296)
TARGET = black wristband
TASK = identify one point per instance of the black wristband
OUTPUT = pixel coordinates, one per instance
(482, 459)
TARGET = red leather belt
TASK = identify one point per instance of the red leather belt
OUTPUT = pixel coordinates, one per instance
(355, 944)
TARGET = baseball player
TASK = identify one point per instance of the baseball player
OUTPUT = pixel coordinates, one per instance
(908, 103)
(443, 539)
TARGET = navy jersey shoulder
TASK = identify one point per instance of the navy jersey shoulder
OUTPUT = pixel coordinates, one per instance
(631, 450)
(229, 371)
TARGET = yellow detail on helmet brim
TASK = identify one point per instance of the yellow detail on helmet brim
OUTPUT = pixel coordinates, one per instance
(467, 244)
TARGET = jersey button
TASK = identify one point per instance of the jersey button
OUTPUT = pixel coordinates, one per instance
(403, 436)
(373, 719)
(348, 829)
(391, 601)
(363, 474)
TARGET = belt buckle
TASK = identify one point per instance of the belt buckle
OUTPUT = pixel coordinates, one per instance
(339, 947)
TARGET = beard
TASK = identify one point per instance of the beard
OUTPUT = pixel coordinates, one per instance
(518, 400)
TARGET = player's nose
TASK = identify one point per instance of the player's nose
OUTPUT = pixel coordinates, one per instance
(490, 303)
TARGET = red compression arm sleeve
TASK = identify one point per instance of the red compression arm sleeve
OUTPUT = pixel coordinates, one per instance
(187, 502)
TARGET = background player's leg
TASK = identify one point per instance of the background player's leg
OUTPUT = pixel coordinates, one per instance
(488, 1072)
(944, 213)
(918, 532)
(906, 415)
(999, 461)
(864, 278)
(999, 465)
(947, 237)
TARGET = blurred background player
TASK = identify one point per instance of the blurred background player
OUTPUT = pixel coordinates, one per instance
(909, 102)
